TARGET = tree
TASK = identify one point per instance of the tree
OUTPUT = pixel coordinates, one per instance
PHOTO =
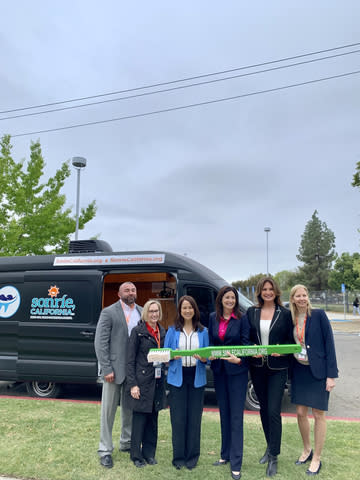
(286, 279)
(356, 183)
(32, 218)
(317, 253)
(356, 177)
(251, 281)
(345, 271)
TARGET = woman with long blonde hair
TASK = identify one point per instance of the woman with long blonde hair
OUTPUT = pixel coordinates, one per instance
(313, 373)
(145, 385)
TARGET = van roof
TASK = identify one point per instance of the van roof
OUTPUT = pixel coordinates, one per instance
(124, 261)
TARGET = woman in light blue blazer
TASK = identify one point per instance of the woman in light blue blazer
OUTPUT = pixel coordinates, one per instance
(313, 373)
(186, 379)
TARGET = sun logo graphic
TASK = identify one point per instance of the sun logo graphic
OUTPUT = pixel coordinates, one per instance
(53, 291)
(9, 301)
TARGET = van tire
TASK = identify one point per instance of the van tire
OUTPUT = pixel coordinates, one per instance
(251, 401)
(43, 389)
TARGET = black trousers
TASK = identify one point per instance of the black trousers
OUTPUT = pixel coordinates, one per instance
(269, 388)
(186, 405)
(231, 393)
(144, 435)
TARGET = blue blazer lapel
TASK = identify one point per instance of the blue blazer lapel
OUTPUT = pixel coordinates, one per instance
(201, 338)
(307, 326)
(231, 326)
(216, 329)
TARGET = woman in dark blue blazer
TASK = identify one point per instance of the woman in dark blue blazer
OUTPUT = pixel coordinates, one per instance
(228, 327)
(313, 373)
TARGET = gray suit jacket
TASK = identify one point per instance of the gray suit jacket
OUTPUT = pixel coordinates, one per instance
(112, 340)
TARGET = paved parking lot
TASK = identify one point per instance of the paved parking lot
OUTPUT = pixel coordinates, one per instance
(347, 323)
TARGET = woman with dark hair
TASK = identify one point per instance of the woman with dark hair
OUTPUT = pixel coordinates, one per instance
(186, 380)
(270, 324)
(313, 373)
(226, 328)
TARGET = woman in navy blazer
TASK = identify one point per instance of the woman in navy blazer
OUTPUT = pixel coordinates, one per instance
(313, 373)
(186, 379)
(226, 328)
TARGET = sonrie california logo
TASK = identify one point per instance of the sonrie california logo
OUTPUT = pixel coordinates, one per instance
(52, 307)
(9, 301)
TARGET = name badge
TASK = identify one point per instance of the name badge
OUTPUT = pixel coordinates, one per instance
(157, 372)
(302, 355)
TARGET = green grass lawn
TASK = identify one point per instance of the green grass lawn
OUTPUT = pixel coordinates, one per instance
(52, 440)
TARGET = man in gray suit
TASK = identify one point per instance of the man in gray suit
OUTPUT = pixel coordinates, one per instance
(111, 346)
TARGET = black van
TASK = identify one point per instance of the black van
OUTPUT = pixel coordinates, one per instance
(50, 304)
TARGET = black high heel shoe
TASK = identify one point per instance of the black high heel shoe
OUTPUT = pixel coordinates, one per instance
(309, 472)
(265, 457)
(272, 466)
(307, 459)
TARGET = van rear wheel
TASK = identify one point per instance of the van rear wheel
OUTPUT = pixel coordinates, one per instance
(43, 389)
(251, 401)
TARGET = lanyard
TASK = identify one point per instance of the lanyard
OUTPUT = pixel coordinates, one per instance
(301, 335)
(155, 333)
(157, 336)
(127, 317)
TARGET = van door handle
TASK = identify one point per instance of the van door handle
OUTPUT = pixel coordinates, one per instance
(87, 334)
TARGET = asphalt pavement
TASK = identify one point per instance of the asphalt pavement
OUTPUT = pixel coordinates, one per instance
(344, 323)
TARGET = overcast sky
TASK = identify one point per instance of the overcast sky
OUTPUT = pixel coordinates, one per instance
(206, 180)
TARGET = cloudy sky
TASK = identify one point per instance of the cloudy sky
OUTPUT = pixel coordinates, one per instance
(201, 180)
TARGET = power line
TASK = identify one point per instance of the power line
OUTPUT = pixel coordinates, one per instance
(137, 95)
(183, 79)
(183, 107)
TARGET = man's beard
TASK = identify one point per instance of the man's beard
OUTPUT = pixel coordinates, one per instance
(129, 300)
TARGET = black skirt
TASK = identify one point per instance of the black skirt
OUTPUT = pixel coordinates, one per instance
(306, 389)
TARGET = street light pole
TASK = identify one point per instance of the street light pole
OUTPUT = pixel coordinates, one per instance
(267, 230)
(78, 163)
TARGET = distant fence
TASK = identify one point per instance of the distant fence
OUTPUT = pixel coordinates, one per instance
(326, 299)
(329, 300)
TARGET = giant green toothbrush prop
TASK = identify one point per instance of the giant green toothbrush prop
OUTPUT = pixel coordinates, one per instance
(167, 354)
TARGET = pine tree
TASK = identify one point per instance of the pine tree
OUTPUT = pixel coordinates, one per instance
(317, 253)
(33, 220)
(356, 177)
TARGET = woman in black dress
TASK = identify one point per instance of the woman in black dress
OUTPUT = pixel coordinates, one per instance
(313, 373)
